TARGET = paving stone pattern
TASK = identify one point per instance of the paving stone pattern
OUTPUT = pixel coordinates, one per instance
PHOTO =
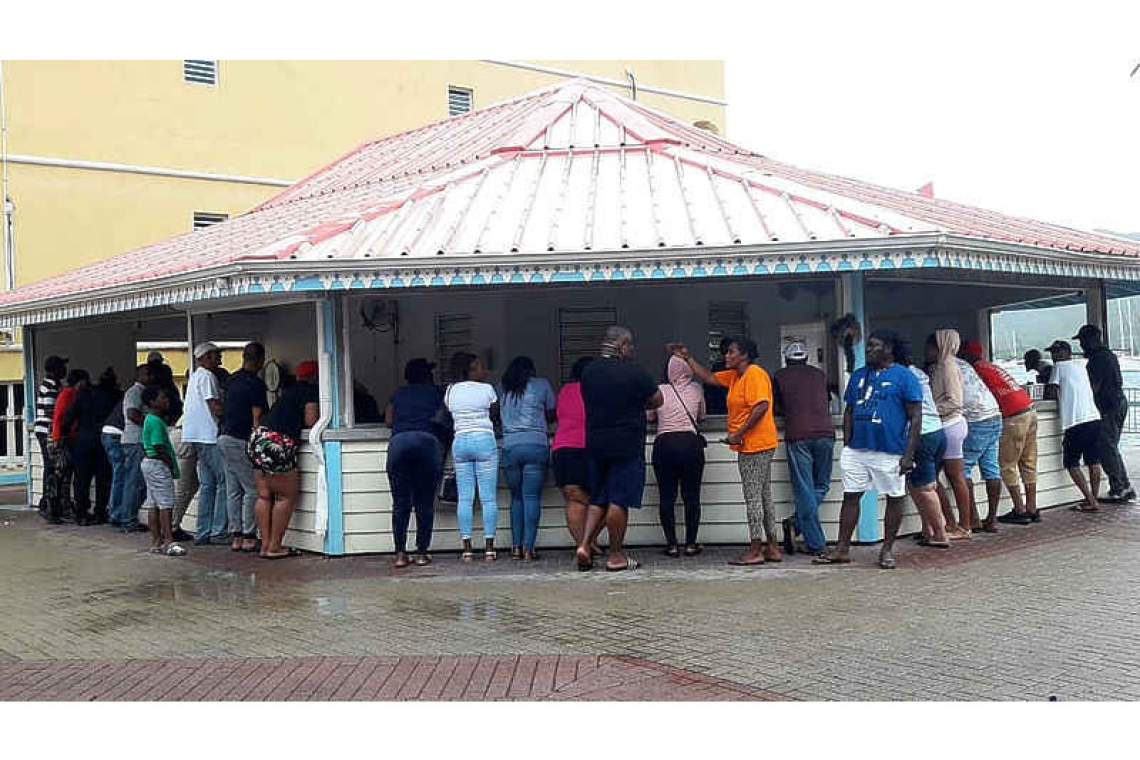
(1034, 612)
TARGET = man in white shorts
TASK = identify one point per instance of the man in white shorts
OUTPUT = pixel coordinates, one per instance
(882, 423)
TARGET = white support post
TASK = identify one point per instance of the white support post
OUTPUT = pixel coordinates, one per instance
(348, 410)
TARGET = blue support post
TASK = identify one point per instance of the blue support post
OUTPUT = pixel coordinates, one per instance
(29, 342)
(334, 537)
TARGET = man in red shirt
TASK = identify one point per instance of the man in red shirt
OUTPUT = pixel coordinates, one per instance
(1017, 451)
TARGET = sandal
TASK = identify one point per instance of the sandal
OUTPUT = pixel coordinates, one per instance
(467, 555)
(422, 560)
(672, 551)
(888, 562)
(1084, 508)
(289, 552)
(174, 550)
(516, 553)
(401, 560)
(693, 550)
(235, 542)
(586, 565)
(830, 558)
(155, 549)
(490, 555)
(630, 564)
(741, 562)
(248, 545)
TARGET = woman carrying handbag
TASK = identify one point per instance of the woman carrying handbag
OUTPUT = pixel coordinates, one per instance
(679, 454)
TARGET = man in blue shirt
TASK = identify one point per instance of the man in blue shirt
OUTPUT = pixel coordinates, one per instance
(882, 423)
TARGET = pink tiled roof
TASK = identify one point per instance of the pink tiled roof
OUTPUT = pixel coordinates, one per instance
(568, 169)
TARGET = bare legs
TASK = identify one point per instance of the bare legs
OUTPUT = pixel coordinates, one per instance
(159, 521)
(955, 474)
(891, 523)
(926, 502)
(1089, 492)
(276, 500)
(577, 507)
(615, 520)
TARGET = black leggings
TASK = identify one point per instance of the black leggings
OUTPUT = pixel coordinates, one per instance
(678, 458)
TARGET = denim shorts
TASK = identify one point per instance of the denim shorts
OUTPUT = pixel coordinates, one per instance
(617, 481)
(981, 448)
(927, 454)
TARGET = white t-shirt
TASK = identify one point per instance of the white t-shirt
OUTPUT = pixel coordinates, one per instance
(198, 423)
(470, 406)
(978, 403)
(1075, 396)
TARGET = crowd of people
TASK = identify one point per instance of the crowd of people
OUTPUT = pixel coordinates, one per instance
(242, 453)
(906, 428)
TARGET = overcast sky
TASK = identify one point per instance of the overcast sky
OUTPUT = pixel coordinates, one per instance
(1024, 113)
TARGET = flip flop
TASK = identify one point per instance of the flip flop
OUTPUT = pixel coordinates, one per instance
(937, 544)
(421, 560)
(888, 563)
(630, 564)
(831, 559)
(741, 563)
(1082, 508)
(289, 552)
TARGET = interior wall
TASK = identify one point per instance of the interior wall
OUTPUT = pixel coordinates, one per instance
(508, 323)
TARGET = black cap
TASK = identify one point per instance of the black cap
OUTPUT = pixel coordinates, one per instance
(1088, 331)
(417, 370)
(56, 362)
(1059, 345)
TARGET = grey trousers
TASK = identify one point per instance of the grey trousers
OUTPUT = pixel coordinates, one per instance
(756, 479)
(188, 483)
(241, 492)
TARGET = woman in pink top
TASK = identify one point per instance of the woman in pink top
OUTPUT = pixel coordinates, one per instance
(568, 452)
(679, 454)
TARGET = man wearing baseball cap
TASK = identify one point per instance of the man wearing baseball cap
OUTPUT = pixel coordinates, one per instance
(1081, 422)
(200, 429)
(800, 392)
(1108, 392)
(1017, 446)
(55, 369)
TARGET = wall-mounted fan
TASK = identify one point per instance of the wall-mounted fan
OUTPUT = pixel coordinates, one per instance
(379, 315)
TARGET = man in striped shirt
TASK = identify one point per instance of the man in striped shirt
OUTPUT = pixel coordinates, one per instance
(55, 368)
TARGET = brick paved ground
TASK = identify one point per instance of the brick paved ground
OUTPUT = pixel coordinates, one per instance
(1048, 610)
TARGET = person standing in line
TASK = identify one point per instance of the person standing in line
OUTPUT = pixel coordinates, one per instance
(1081, 422)
(616, 392)
(679, 454)
(187, 486)
(928, 453)
(415, 459)
(882, 426)
(160, 470)
(1017, 447)
(568, 456)
(84, 416)
(946, 387)
(55, 369)
(106, 397)
(983, 417)
(1034, 363)
(112, 439)
(752, 435)
(527, 405)
(273, 451)
(800, 392)
(1108, 392)
(244, 403)
(163, 377)
(134, 414)
(474, 406)
(63, 429)
(200, 429)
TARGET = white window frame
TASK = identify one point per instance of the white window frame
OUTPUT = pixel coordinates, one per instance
(197, 68)
(452, 332)
(12, 452)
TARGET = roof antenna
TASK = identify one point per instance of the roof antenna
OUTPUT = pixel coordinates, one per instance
(633, 81)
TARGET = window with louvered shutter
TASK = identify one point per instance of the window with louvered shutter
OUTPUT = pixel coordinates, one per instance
(459, 100)
(580, 333)
(200, 72)
(727, 319)
(453, 333)
(208, 219)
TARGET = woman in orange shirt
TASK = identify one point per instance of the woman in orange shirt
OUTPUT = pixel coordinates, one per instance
(752, 435)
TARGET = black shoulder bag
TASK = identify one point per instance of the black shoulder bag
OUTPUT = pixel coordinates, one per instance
(700, 437)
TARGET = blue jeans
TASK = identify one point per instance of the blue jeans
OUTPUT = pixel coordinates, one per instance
(476, 458)
(415, 464)
(113, 445)
(525, 469)
(809, 466)
(211, 492)
(133, 485)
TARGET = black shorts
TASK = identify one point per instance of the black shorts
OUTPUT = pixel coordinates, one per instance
(571, 468)
(619, 481)
(1081, 441)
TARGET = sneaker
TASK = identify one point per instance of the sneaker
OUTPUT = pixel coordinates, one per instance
(1015, 518)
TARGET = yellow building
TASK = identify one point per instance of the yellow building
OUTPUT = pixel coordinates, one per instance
(102, 157)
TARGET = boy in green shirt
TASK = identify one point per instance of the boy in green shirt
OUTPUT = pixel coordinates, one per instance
(160, 470)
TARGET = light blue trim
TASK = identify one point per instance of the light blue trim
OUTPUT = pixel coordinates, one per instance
(308, 283)
(15, 479)
(29, 341)
(334, 537)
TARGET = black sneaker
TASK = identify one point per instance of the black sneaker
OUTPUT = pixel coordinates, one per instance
(180, 535)
(1015, 518)
(1127, 496)
(789, 536)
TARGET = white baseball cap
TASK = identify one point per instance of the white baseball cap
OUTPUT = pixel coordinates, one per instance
(795, 350)
(202, 349)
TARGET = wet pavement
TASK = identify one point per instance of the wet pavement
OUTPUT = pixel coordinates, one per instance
(1033, 612)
